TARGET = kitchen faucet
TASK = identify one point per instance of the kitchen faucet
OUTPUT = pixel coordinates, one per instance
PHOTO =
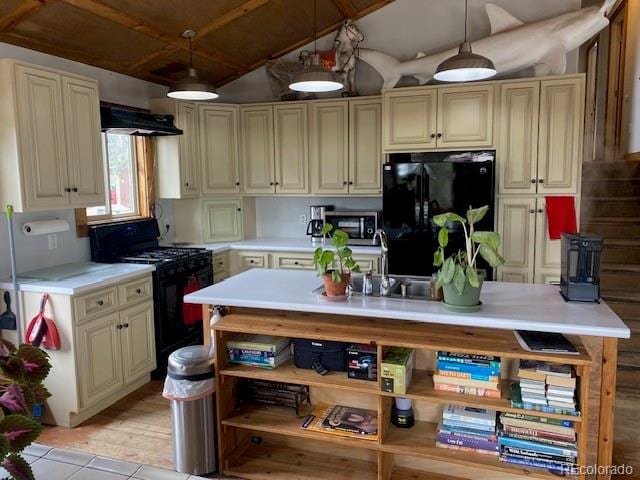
(385, 284)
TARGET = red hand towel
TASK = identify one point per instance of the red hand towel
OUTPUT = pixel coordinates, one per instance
(561, 216)
(191, 313)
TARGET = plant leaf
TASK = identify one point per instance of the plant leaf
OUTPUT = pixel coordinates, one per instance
(339, 239)
(491, 239)
(472, 276)
(326, 228)
(438, 257)
(35, 362)
(13, 399)
(459, 279)
(19, 430)
(474, 215)
(492, 257)
(336, 277)
(447, 271)
(442, 219)
(443, 237)
(17, 467)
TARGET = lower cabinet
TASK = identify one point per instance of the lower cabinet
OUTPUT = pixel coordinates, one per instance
(137, 341)
(221, 267)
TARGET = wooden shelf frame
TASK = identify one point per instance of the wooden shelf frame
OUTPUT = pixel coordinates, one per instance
(237, 426)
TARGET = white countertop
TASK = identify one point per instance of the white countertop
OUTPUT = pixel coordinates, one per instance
(284, 244)
(510, 306)
(114, 273)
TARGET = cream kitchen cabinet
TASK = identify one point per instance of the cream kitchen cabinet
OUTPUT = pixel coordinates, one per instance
(222, 220)
(345, 147)
(51, 149)
(291, 133)
(540, 136)
(178, 156)
(221, 266)
(108, 347)
(220, 162)
(424, 118)
(256, 149)
(242, 260)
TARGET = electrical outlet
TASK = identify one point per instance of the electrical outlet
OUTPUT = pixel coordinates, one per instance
(53, 241)
(303, 219)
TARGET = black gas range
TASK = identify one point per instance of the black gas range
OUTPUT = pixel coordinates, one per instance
(178, 271)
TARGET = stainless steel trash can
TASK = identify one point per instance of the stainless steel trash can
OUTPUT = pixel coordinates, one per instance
(190, 370)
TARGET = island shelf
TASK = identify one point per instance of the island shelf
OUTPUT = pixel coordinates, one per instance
(268, 442)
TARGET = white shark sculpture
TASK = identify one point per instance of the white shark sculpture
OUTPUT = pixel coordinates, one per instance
(512, 45)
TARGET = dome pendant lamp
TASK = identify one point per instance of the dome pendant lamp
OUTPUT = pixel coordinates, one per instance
(314, 77)
(466, 66)
(191, 87)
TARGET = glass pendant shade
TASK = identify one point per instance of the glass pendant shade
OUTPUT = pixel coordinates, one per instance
(192, 88)
(315, 78)
(466, 66)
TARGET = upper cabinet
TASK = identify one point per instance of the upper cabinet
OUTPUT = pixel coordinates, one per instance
(256, 147)
(178, 156)
(291, 146)
(540, 131)
(365, 146)
(220, 165)
(424, 118)
(51, 147)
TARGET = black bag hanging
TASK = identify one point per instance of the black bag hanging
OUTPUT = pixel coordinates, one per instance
(322, 356)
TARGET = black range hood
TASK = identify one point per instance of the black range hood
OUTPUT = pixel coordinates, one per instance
(123, 121)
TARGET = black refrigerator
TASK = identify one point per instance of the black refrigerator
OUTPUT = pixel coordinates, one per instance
(418, 186)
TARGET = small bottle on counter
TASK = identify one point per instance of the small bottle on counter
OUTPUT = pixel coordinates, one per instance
(436, 290)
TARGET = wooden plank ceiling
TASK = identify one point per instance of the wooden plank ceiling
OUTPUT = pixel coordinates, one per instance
(143, 38)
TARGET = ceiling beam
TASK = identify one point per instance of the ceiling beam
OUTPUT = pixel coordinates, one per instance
(346, 8)
(24, 9)
(114, 15)
(232, 15)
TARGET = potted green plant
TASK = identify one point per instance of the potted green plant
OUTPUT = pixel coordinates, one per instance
(335, 265)
(22, 373)
(459, 277)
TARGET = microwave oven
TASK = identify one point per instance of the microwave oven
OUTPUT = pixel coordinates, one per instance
(359, 226)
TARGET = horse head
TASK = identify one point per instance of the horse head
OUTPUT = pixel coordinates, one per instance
(349, 32)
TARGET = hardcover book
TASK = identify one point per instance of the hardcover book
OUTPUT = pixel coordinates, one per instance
(475, 443)
(466, 449)
(468, 368)
(462, 389)
(487, 429)
(343, 421)
(546, 441)
(533, 446)
(264, 343)
(465, 382)
(535, 419)
(535, 434)
(469, 376)
(560, 429)
(471, 415)
(537, 455)
(470, 358)
(467, 432)
(562, 468)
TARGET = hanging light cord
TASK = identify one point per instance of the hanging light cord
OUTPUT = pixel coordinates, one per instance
(315, 26)
(190, 54)
(466, 6)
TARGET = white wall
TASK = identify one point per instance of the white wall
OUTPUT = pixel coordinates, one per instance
(406, 27)
(280, 216)
(33, 252)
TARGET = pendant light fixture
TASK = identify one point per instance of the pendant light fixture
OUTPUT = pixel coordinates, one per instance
(466, 66)
(191, 87)
(314, 77)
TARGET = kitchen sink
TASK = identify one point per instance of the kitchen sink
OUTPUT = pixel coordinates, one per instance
(402, 287)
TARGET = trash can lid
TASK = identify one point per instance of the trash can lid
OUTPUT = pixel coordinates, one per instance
(193, 360)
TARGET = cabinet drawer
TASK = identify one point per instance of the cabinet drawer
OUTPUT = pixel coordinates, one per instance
(221, 263)
(294, 262)
(141, 289)
(367, 263)
(253, 261)
(95, 303)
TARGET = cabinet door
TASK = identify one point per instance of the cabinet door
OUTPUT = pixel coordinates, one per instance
(84, 142)
(329, 147)
(560, 139)
(187, 120)
(257, 149)
(43, 154)
(138, 341)
(222, 220)
(219, 149)
(465, 116)
(409, 120)
(516, 225)
(99, 359)
(518, 134)
(547, 264)
(365, 147)
(291, 148)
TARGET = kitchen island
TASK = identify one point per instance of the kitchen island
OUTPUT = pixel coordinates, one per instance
(268, 442)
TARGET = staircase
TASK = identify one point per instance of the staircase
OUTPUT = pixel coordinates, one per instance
(611, 208)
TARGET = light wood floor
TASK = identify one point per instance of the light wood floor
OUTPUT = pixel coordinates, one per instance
(138, 427)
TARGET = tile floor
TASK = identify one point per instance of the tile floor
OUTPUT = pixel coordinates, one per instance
(59, 464)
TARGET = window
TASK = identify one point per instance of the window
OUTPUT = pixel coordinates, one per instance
(121, 178)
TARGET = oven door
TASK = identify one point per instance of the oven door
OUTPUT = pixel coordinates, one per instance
(172, 331)
(352, 225)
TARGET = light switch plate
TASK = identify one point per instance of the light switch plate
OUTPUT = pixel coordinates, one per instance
(53, 241)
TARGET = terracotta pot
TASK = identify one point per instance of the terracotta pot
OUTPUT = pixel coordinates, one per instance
(335, 289)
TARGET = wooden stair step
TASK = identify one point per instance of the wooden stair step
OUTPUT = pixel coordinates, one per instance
(604, 206)
(613, 227)
(610, 187)
(620, 267)
(621, 250)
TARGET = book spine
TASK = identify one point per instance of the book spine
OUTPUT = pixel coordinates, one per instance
(467, 419)
(238, 352)
(465, 390)
(476, 426)
(468, 376)
(557, 429)
(536, 463)
(537, 447)
(539, 455)
(536, 419)
(262, 347)
(467, 442)
(466, 449)
(546, 441)
(466, 383)
(549, 409)
(466, 368)
(469, 361)
(467, 433)
(537, 433)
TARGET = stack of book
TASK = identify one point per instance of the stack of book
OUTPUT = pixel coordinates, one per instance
(263, 351)
(343, 421)
(538, 442)
(545, 387)
(469, 374)
(468, 429)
